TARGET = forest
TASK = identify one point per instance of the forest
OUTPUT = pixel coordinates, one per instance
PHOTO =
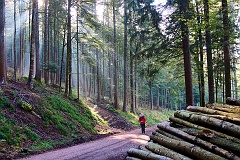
(168, 54)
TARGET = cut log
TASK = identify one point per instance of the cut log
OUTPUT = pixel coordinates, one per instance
(207, 135)
(191, 125)
(195, 140)
(225, 108)
(132, 158)
(141, 147)
(161, 150)
(232, 101)
(213, 112)
(166, 134)
(225, 118)
(132, 152)
(185, 148)
(209, 121)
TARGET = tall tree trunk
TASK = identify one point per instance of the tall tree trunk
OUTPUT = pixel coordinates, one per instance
(2, 43)
(235, 82)
(69, 54)
(45, 57)
(209, 53)
(201, 68)
(131, 80)
(21, 38)
(14, 42)
(150, 95)
(116, 105)
(125, 59)
(98, 78)
(38, 67)
(136, 85)
(54, 40)
(183, 7)
(33, 47)
(62, 57)
(84, 72)
(157, 98)
(78, 64)
(226, 49)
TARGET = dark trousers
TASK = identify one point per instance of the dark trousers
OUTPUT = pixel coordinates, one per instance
(143, 128)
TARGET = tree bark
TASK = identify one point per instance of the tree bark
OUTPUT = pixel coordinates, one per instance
(196, 140)
(69, 53)
(2, 43)
(232, 101)
(38, 75)
(145, 155)
(166, 134)
(33, 47)
(185, 148)
(131, 80)
(116, 105)
(209, 53)
(78, 64)
(163, 151)
(15, 42)
(62, 57)
(225, 108)
(231, 115)
(132, 158)
(215, 138)
(205, 120)
(201, 60)
(125, 59)
(45, 57)
(227, 59)
(183, 7)
(211, 132)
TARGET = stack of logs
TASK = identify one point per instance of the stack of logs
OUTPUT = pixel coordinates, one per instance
(207, 133)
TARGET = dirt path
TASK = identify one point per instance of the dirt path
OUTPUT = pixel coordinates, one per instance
(109, 148)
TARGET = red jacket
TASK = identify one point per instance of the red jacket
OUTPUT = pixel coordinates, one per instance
(142, 120)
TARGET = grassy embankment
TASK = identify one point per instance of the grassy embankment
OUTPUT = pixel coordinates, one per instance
(54, 120)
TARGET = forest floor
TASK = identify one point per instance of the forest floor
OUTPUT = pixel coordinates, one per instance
(116, 124)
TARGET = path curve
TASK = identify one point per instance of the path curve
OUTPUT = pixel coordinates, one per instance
(109, 148)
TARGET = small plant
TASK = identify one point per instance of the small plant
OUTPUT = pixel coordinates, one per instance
(25, 105)
(30, 134)
(9, 132)
(4, 102)
(63, 130)
(42, 146)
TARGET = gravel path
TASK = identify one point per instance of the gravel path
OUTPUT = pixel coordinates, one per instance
(109, 148)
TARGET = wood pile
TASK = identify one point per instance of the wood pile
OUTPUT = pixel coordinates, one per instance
(204, 133)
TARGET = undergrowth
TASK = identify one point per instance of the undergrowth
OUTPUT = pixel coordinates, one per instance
(67, 117)
(153, 116)
(156, 116)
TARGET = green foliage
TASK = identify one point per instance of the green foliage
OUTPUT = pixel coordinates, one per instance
(156, 116)
(25, 105)
(30, 134)
(42, 146)
(9, 132)
(67, 116)
(51, 67)
(4, 102)
(63, 130)
(130, 117)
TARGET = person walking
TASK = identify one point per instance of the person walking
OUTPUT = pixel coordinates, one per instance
(142, 120)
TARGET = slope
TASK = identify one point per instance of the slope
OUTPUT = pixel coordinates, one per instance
(33, 121)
